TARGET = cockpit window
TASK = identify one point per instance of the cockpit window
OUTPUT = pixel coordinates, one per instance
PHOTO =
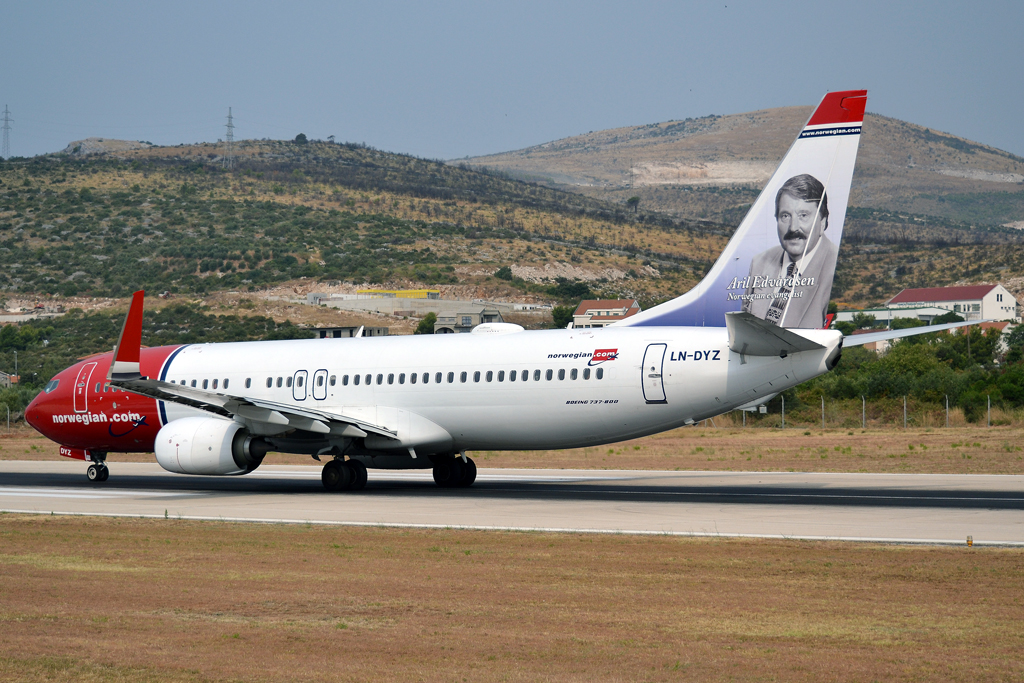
(51, 385)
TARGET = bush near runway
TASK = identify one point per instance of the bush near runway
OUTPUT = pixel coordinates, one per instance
(960, 450)
(121, 599)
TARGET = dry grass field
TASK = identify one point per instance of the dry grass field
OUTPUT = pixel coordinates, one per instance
(86, 599)
(729, 447)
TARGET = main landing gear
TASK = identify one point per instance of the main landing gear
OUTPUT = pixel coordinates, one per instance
(98, 471)
(452, 473)
(344, 475)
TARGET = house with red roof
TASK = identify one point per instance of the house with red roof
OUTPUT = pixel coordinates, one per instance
(971, 302)
(602, 312)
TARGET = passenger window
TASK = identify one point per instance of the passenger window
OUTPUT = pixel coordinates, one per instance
(524, 375)
(206, 383)
(299, 380)
(586, 373)
(561, 374)
(490, 376)
(451, 377)
(572, 373)
(536, 376)
(214, 384)
(248, 382)
(476, 376)
(270, 382)
(182, 383)
(334, 380)
(437, 378)
(380, 378)
(355, 380)
(288, 382)
(106, 388)
(549, 375)
(97, 389)
(320, 380)
(368, 379)
(226, 383)
(412, 378)
(279, 380)
(512, 376)
(462, 377)
(426, 378)
(501, 375)
(344, 380)
(401, 378)
(193, 384)
(391, 378)
(600, 373)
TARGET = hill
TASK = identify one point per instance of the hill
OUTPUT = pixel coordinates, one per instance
(714, 166)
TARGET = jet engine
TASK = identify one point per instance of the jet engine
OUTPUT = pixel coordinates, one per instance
(208, 445)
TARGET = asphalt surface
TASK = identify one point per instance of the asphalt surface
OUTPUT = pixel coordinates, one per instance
(904, 508)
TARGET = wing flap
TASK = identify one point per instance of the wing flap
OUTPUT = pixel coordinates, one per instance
(274, 415)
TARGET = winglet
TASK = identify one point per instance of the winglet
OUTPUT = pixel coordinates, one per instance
(125, 365)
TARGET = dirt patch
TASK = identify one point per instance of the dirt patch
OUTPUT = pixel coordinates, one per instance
(957, 450)
(118, 599)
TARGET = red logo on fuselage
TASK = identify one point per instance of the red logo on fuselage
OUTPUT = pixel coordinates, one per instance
(602, 355)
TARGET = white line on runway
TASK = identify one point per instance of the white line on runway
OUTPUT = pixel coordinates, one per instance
(427, 476)
(25, 491)
(553, 530)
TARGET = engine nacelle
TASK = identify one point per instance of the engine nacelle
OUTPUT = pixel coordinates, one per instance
(208, 445)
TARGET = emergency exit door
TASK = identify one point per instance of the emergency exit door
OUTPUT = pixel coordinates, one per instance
(653, 381)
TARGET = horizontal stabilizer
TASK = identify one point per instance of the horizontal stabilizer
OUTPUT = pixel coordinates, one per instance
(888, 335)
(751, 336)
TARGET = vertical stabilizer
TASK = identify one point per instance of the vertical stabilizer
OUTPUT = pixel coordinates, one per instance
(779, 264)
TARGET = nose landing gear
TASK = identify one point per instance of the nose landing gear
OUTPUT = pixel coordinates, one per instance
(98, 471)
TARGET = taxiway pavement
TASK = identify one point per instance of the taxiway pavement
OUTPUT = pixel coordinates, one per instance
(903, 508)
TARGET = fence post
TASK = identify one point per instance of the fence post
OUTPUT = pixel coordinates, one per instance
(783, 412)
(8, 417)
(823, 412)
(744, 417)
(989, 410)
(947, 411)
(863, 413)
(904, 411)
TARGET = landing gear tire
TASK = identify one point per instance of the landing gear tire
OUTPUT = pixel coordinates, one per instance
(469, 475)
(336, 476)
(97, 472)
(450, 473)
(358, 474)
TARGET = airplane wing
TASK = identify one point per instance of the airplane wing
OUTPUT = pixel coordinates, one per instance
(269, 416)
(885, 335)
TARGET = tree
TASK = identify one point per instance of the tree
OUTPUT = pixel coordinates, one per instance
(503, 273)
(300, 139)
(562, 316)
(426, 325)
(633, 203)
(950, 317)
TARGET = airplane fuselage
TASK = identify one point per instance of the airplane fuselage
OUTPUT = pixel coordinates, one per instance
(520, 390)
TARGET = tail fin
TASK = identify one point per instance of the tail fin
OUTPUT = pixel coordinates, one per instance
(780, 262)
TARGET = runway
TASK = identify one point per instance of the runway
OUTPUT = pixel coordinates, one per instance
(896, 508)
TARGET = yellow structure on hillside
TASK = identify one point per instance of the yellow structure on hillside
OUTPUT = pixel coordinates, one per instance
(400, 293)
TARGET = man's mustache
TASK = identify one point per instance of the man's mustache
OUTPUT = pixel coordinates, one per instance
(794, 235)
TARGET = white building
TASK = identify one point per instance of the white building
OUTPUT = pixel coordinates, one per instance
(972, 302)
(598, 313)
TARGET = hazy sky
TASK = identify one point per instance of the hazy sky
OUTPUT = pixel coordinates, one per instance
(450, 79)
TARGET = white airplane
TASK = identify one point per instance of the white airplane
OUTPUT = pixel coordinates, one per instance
(756, 325)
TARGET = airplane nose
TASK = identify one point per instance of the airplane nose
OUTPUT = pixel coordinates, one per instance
(32, 412)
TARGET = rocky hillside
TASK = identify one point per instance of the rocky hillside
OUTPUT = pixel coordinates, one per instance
(714, 166)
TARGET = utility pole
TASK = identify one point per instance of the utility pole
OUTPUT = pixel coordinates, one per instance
(229, 161)
(6, 152)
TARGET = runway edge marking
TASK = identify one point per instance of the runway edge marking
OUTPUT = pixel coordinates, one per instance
(553, 530)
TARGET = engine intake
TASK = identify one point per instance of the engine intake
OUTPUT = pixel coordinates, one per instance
(208, 445)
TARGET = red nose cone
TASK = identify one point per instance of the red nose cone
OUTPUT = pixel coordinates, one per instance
(32, 412)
